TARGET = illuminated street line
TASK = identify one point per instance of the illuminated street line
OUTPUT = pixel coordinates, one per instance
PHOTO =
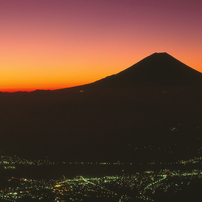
(156, 182)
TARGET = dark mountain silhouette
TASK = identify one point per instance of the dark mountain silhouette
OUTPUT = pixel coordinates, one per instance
(156, 103)
(156, 69)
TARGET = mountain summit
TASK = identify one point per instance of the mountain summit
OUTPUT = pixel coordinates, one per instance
(156, 69)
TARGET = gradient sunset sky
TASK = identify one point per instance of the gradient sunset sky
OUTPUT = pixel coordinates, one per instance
(51, 44)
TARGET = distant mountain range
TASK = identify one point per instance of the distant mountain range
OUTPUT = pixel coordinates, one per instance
(154, 70)
(155, 103)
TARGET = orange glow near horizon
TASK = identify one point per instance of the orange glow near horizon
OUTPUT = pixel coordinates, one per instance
(49, 45)
(52, 80)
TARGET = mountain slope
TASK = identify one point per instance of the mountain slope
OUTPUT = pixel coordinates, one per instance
(156, 69)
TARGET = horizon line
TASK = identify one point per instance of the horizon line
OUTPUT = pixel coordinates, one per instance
(28, 90)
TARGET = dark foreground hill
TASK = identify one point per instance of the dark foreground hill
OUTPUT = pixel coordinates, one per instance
(150, 111)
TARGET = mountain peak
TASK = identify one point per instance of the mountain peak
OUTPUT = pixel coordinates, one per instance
(156, 69)
(161, 53)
